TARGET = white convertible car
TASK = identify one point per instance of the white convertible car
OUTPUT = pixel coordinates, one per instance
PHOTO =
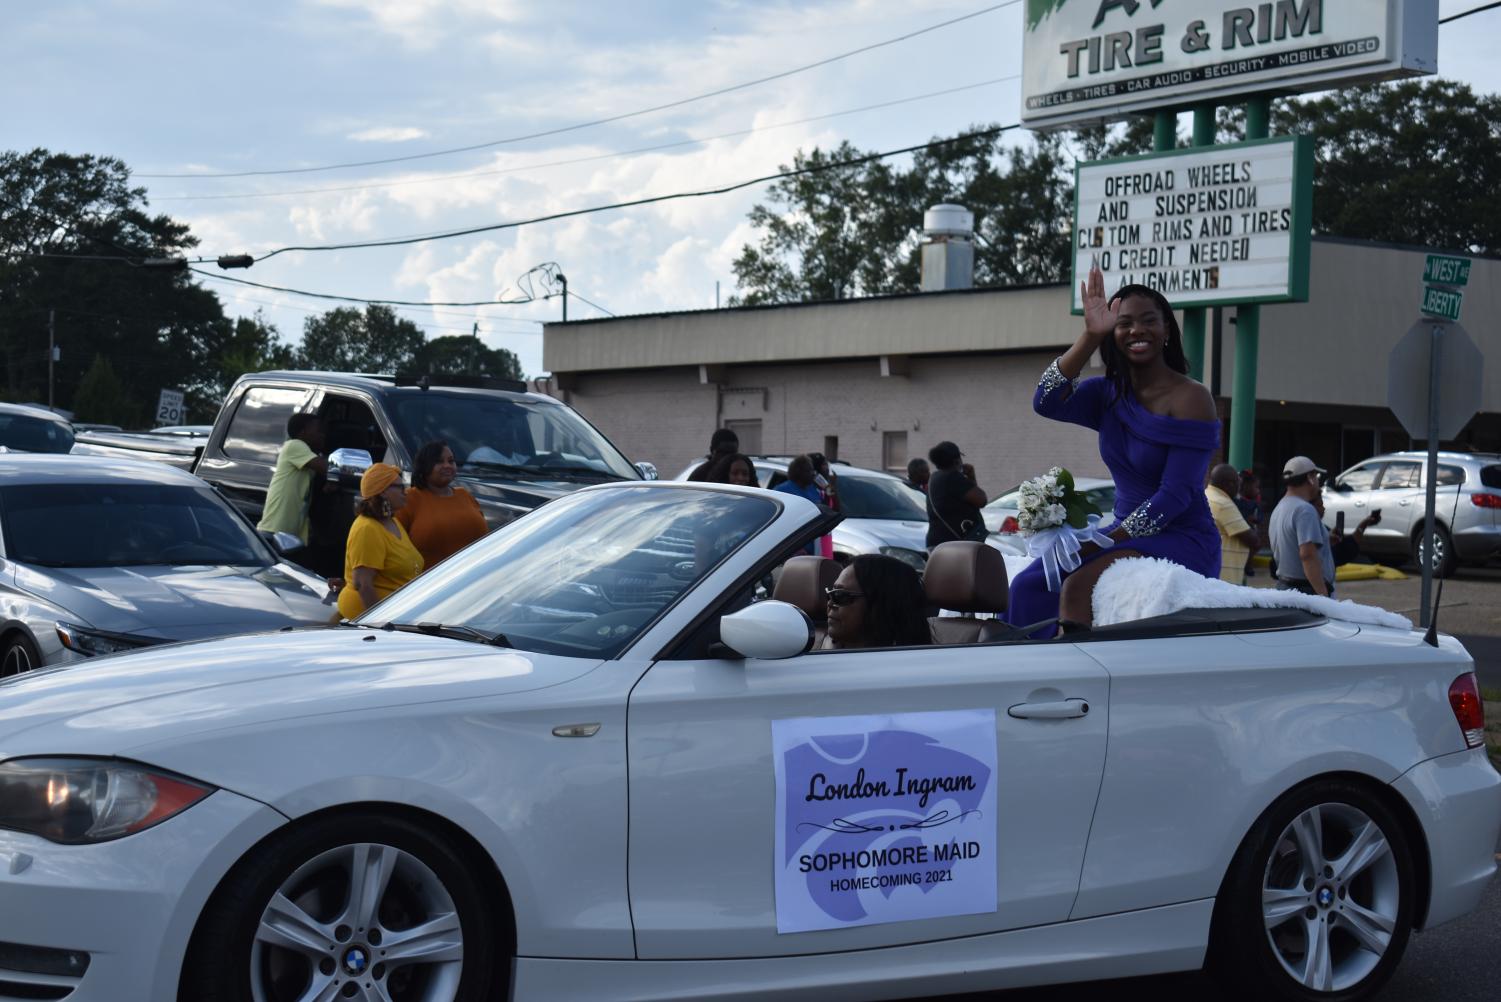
(591, 758)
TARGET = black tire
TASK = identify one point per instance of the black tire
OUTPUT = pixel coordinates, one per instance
(18, 654)
(1448, 560)
(218, 966)
(1242, 954)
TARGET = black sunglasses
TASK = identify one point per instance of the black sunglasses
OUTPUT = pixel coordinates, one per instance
(842, 596)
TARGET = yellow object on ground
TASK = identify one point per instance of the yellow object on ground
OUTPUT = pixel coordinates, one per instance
(1368, 572)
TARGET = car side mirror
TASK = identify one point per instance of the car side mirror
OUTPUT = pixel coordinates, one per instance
(767, 631)
(1340, 487)
(648, 471)
(284, 543)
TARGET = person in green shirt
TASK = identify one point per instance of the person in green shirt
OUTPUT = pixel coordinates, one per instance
(290, 493)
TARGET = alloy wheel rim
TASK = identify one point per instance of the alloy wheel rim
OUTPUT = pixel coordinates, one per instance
(17, 660)
(1330, 897)
(363, 921)
(1438, 550)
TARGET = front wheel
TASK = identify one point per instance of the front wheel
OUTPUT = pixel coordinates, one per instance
(18, 654)
(348, 907)
(1318, 903)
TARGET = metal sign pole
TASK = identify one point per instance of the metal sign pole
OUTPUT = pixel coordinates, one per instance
(1431, 495)
(1247, 331)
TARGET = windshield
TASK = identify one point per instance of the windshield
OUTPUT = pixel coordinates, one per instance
(584, 575)
(877, 497)
(24, 433)
(124, 525)
(499, 434)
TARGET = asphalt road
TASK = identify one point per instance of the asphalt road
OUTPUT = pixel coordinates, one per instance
(1457, 962)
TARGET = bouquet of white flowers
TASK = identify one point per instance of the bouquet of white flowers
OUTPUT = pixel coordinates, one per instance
(1057, 520)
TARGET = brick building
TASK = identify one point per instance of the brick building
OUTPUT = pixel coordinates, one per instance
(874, 381)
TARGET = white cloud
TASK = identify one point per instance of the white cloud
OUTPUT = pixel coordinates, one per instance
(423, 23)
(388, 134)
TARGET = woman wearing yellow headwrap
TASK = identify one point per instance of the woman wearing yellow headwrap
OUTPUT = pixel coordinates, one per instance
(380, 557)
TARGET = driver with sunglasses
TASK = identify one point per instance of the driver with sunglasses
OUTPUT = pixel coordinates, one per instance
(877, 601)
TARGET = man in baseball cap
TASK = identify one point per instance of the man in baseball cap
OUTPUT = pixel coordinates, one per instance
(1300, 543)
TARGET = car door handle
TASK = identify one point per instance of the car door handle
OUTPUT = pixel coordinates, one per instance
(1360, 504)
(1063, 709)
(1404, 503)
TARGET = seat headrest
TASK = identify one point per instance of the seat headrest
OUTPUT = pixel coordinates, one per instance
(966, 576)
(803, 582)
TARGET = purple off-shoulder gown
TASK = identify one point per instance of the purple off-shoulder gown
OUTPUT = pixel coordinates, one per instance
(1158, 463)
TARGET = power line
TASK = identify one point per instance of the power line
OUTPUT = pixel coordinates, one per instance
(433, 179)
(602, 121)
(586, 302)
(359, 299)
(1463, 14)
(651, 200)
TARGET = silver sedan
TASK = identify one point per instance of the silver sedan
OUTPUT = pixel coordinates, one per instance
(99, 556)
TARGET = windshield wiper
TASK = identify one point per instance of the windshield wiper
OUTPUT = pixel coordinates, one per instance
(483, 464)
(591, 470)
(453, 632)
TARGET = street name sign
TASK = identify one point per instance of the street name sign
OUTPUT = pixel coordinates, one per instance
(1216, 226)
(1458, 378)
(1101, 60)
(1440, 302)
(169, 407)
(1442, 269)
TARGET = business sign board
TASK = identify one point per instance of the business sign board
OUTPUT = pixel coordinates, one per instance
(1098, 60)
(1218, 226)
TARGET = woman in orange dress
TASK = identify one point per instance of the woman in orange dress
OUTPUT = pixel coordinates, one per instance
(442, 519)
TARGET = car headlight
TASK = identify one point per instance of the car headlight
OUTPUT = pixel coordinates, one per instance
(79, 800)
(90, 643)
(916, 559)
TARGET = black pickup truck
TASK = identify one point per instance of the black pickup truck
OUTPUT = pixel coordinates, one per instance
(516, 450)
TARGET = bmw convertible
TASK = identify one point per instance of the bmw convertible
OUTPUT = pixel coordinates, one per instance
(604, 754)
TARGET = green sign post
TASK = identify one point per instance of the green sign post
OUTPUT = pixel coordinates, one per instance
(1442, 269)
(1441, 302)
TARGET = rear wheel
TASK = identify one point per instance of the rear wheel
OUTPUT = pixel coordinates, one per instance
(18, 654)
(1318, 904)
(1446, 562)
(347, 907)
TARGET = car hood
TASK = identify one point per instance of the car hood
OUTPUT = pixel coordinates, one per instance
(521, 490)
(109, 705)
(868, 535)
(178, 603)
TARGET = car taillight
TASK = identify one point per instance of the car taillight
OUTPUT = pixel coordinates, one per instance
(1464, 698)
(1486, 500)
(1011, 525)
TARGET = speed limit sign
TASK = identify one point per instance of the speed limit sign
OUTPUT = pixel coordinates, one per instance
(169, 407)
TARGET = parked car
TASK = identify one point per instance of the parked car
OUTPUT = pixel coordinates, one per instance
(443, 801)
(184, 430)
(882, 513)
(181, 451)
(99, 556)
(1467, 510)
(33, 429)
(79, 426)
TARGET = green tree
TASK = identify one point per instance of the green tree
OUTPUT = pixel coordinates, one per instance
(246, 344)
(466, 355)
(73, 238)
(348, 340)
(102, 398)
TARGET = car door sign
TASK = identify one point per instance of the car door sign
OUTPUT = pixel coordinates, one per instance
(885, 818)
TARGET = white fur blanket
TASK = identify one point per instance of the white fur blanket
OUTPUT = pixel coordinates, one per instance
(1142, 587)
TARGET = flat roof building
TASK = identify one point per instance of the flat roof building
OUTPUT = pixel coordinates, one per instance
(878, 380)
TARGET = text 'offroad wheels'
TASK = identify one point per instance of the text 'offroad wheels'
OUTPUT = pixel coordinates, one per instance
(1319, 901)
(355, 907)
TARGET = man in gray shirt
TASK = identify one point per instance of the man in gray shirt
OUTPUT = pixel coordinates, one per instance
(1300, 543)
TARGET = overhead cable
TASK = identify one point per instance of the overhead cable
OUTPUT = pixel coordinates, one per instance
(1466, 13)
(599, 121)
(360, 299)
(435, 178)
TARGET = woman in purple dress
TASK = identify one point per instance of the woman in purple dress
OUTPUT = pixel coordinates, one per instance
(1158, 432)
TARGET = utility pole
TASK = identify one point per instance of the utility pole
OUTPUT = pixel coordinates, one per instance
(563, 281)
(51, 352)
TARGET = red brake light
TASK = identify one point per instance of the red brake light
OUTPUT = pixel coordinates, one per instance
(1464, 699)
(1011, 525)
(1486, 500)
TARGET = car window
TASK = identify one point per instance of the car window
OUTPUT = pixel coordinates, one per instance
(348, 423)
(877, 497)
(1490, 476)
(500, 433)
(586, 574)
(124, 525)
(1448, 476)
(259, 425)
(24, 433)
(1102, 498)
(1399, 475)
(1361, 478)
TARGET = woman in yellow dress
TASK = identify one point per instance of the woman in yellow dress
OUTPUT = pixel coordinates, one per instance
(379, 557)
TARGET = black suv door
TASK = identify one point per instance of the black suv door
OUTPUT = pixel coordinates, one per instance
(240, 459)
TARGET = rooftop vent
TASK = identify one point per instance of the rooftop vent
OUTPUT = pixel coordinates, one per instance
(948, 249)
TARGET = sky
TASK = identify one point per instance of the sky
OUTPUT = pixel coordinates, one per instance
(192, 88)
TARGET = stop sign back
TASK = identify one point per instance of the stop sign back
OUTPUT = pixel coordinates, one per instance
(1459, 382)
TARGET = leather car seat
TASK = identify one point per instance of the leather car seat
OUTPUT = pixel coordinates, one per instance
(966, 577)
(802, 584)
